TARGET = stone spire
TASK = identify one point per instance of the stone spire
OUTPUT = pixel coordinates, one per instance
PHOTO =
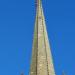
(41, 61)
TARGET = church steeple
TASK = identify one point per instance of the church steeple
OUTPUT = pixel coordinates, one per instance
(41, 61)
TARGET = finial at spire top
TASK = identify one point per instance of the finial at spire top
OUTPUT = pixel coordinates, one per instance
(22, 73)
(63, 73)
(38, 2)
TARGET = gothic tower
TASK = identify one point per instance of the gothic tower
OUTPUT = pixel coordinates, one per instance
(41, 61)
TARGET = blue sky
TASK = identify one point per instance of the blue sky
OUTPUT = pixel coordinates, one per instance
(17, 19)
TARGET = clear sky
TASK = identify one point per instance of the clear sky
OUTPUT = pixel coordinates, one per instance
(17, 19)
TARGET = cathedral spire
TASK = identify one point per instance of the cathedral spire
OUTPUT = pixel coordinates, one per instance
(41, 61)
